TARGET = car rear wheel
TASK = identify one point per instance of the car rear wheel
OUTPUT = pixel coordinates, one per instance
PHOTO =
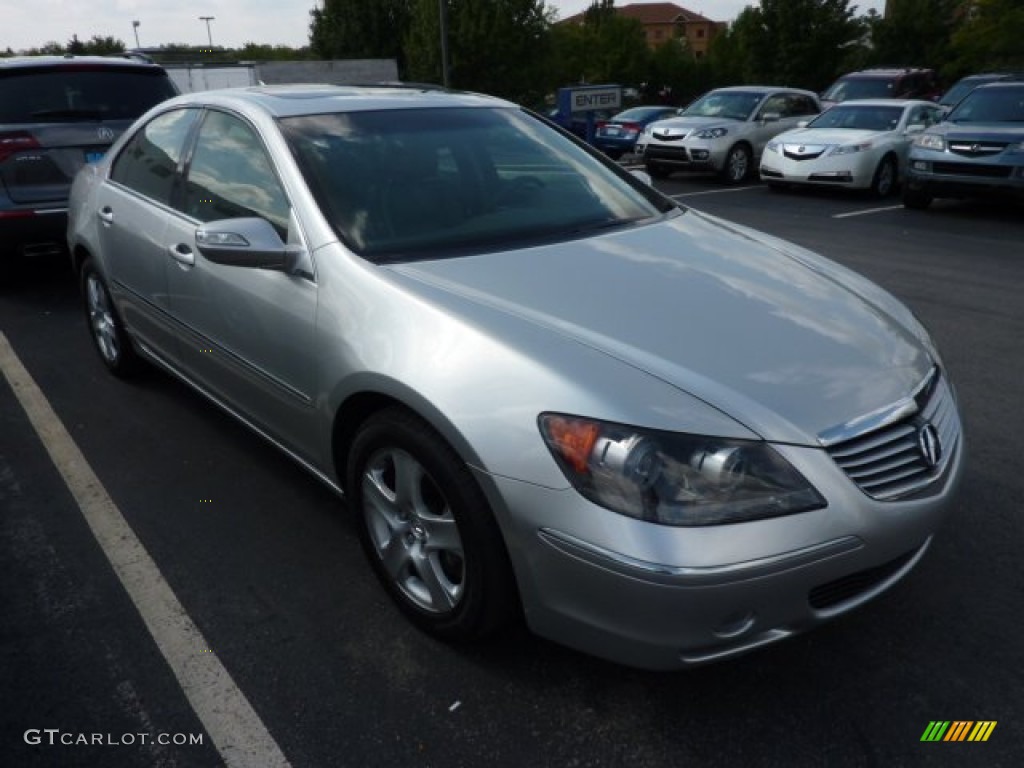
(916, 198)
(427, 529)
(737, 164)
(105, 326)
(884, 180)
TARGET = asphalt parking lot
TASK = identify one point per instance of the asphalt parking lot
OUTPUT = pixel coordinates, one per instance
(264, 564)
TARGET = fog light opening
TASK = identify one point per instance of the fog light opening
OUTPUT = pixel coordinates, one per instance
(735, 625)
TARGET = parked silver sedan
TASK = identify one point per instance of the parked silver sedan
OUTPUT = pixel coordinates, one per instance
(543, 388)
(854, 145)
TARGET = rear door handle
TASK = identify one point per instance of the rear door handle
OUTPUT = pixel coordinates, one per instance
(182, 254)
(106, 214)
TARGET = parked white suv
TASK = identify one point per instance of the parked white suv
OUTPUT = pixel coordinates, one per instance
(724, 131)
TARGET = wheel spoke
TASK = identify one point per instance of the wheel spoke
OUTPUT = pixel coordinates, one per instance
(442, 535)
(379, 500)
(408, 476)
(396, 557)
(443, 594)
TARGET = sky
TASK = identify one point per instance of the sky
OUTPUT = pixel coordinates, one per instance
(33, 23)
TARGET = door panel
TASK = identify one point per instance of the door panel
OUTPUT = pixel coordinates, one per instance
(247, 334)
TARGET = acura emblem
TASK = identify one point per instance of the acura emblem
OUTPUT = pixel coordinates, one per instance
(105, 133)
(975, 148)
(800, 150)
(929, 445)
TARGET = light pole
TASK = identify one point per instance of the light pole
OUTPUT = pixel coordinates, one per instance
(135, 28)
(209, 34)
(442, 9)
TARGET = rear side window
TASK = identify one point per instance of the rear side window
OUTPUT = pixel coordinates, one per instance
(149, 161)
(68, 94)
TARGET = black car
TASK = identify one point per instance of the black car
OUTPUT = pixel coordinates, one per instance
(906, 83)
(56, 114)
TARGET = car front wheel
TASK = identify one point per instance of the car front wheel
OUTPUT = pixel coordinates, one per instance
(884, 180)
(737, 164)
(105, 324)
(916, 198)
(427, 528)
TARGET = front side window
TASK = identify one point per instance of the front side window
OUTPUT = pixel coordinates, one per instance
(430, 182)
(230, 175)
(148, 163)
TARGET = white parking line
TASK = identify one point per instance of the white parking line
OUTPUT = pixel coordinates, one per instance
(236, 730)
(866, 212)
(715, 191)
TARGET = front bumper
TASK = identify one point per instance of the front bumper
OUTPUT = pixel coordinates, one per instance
(658, 597)
(944, 174)
(853, 171)
(687, 153)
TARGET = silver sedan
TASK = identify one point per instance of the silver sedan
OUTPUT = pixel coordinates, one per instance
(544, 389)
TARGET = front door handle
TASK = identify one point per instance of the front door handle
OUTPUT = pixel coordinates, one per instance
(182, 254)
(106, 214)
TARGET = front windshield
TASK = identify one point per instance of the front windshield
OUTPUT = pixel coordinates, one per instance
(859, 118)
(860, 88)
(990, 105)
(425, 183)
(733, 105)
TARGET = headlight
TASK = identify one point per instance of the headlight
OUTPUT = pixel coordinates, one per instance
(930, 141)
(772, 146)
(849, 149)
(672, 478)
(711, 133)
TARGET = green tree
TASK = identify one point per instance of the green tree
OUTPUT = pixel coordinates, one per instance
(103, 46)
(498, 47)
(605, 48)
(361, 29)
(802, 43)
(261, 52)
(916, 33)
(990, 36)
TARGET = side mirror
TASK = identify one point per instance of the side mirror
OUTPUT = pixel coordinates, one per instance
(915, 128)
(771, 117)
(249, 242)
(802, 123)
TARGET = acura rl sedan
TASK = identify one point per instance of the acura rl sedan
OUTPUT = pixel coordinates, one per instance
(544, 389)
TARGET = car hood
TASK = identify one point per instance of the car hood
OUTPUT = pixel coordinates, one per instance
(785, 342)
(828, 136)
(1004, 132)
(683, 124)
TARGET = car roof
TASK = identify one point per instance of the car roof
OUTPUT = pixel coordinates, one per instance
(885, 72)
(761, 89)
(1000, 85)
(883, 103)
(311, 99)
(19, 63)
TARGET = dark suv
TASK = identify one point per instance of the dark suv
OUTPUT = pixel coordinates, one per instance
(909, 83)
(56, 114)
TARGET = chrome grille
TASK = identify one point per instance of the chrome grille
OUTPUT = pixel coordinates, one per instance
(890, 462)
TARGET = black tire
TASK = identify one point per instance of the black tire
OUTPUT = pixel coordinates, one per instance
(104, 323)
(884, 181)
(738, 164)
(406, 486)
(916, 198)
(656, 171)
